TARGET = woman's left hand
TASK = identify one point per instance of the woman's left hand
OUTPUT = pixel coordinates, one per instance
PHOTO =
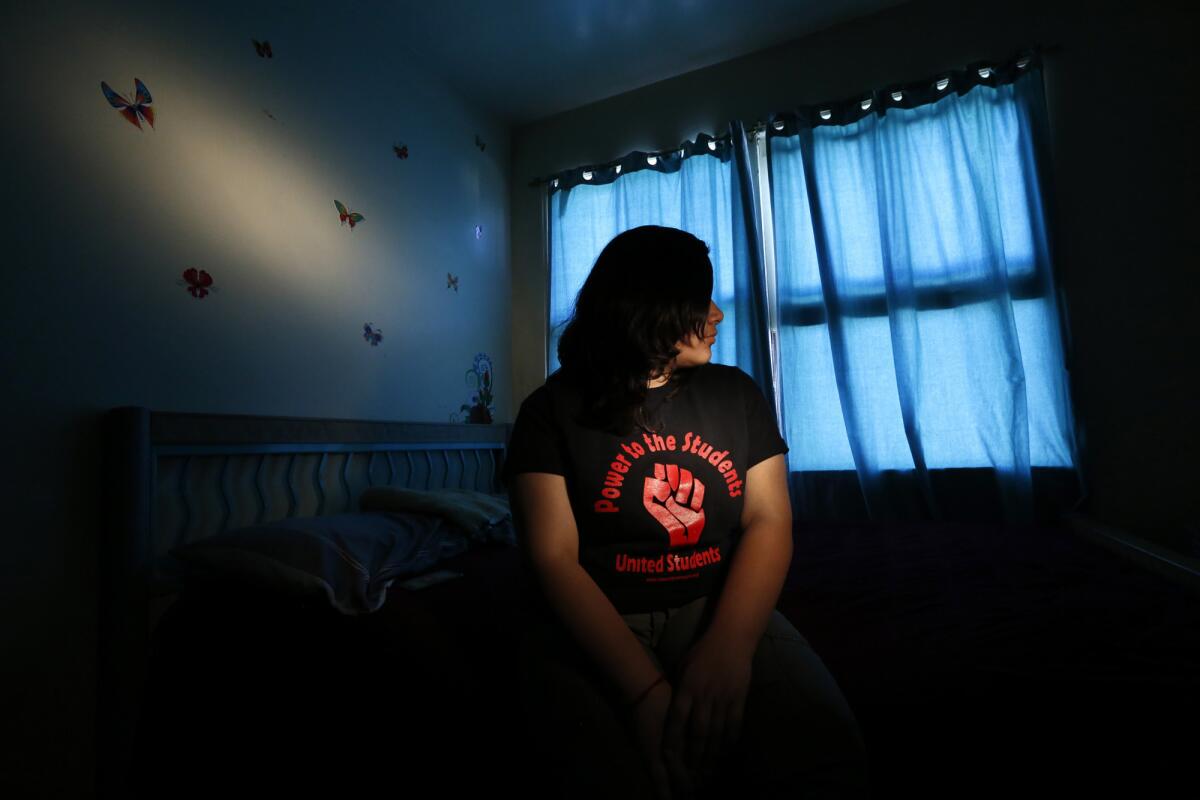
(705, 717)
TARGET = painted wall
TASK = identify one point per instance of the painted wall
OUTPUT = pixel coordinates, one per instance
(1125, 166)
(102, 219)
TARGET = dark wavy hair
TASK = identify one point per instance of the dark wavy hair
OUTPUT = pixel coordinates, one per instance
(649, 287)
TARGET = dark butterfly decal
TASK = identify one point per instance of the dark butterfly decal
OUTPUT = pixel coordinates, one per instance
(199, 283)
(136, 111)
(372, 335)
(263, 49)
(269, 114)
(401, 150)
(353, 217)
(451, 281)
(480, 143)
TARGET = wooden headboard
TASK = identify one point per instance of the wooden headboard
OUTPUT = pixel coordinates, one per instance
(174, 478)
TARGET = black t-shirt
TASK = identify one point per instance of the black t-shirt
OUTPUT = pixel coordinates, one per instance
(658, 514)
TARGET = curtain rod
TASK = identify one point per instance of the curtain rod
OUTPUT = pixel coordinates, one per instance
(706, 144)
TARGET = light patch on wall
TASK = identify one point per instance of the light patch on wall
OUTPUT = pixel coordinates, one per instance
(239, 177)
(252, 195)
(263, 202)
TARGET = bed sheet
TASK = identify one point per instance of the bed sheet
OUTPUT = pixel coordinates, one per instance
(251, 689)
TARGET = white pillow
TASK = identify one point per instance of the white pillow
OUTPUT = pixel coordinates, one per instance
(350, 558)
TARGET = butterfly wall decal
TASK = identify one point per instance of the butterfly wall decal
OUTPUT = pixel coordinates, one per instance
(480, 143)
(372, 335)
(269, 114)
(353, 217)
(451, 281)
(478, 231)
(401, 150)
(263, 49)
(136, 111)
(199, 283)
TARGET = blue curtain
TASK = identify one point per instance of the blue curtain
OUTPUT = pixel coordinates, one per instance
(918, 325)
(700, 194)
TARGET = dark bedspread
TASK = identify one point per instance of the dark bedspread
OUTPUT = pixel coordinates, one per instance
(981, 661)
(985, 661)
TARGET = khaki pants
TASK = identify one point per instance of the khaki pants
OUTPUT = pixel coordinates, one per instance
(799, 738)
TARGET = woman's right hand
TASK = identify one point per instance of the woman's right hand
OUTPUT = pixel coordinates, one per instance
(649, 718)
(672, 779)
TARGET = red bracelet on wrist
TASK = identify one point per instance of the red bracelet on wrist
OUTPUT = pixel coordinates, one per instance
(636, 701)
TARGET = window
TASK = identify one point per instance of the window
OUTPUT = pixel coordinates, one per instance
(931, 224)
(912, 285)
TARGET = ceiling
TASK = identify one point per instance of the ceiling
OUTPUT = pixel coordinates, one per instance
(524, 60)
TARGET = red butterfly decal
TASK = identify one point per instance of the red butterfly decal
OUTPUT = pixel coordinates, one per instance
(353, 217)
(199, 282)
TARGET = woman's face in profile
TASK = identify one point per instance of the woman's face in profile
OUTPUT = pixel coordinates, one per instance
(695, 352)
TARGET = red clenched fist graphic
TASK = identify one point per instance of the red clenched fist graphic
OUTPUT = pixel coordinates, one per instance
(674, 498)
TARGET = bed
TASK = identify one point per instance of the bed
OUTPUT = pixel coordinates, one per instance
(981, 660)
(209, 683)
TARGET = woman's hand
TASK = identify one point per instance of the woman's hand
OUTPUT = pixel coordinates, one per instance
(705, 717)
(673, 779)
(648, 720)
